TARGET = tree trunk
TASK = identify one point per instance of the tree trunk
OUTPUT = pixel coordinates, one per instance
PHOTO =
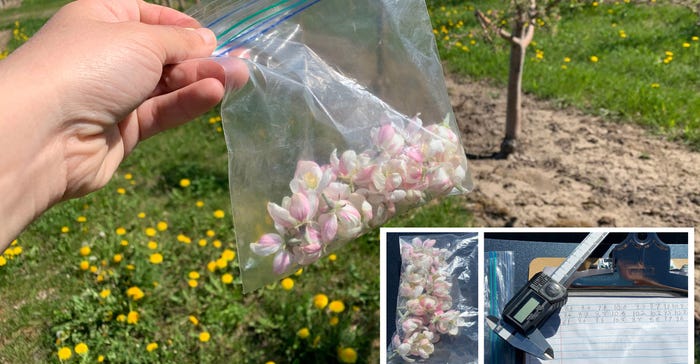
(514, 103)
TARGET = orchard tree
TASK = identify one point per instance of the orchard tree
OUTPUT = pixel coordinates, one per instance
(522, 17)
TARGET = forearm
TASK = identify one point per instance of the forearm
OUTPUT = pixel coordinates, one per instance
(30, 171)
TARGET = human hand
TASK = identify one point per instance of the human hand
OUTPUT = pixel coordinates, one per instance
(98, 78)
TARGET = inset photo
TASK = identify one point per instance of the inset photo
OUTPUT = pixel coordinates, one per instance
(429, 296)
(578, 296)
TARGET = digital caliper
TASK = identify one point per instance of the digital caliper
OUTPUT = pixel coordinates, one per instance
(538, 300)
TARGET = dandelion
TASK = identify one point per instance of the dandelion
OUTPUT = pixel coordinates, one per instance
(100, 358)
(64, 353)
(84, 265)
(192, 283)
(287, 284)
(85, 250)
(594, 59)
(152, 245)
(120, 231)
(695, 38)
(156, 258)
(132, 318)
(121, 318)
(204, 336)
(3, 260)
(332, 257)
(162, 226)
(193, 275)
(227, 278)
(117, 258)
(141, 215)
(124, 243)
(216, 243)
(221, 263)
(121, 190)
(655, 85)
(184, 239)
(336, 306)
(151, 346)
(347, 355)
(333, 320)
(184, 182)
(135, 293)
(320, 301)
(219, 214)
(93, 269)
(686, 45)
(202, 242)
(228, 255)
(65, 229)
(130, 267)
(564, 67)
(211, 266)
(151, 232)
(594, 4)
(128, 176)
(299, 272)
(81, 349)
(210, 233)
(193, 320)
(199, 203)
(104, 294)
(303, 333)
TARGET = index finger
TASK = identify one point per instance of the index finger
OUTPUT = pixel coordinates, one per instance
(162, 15)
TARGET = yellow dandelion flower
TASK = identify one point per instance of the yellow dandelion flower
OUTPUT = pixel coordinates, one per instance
(150, 232)
(695, 38)
(332, 257)
(184, 239)
(121, 318)
(210, 233)
(227, 278)
(124, 243)
(336, 306)
(686, 45)
(193, 320)
(120, 231)
(121, 190)
(192, 283)
(100, 278)
(100, 358)
(202, 242)
(199, 203)
(135, 293)
(356, 308)
(216, 243)
(105, 293)
(564, 67)
(184, 182)
(128, 176)
(594, 59)
(64, 353)
(655, 85)
(81, 219)
(221, 263)
(193, 275)
(132, 318)
(595, 3)
(228, 255)
(211, 266)
(81, 349)
(84, 265)
(93, 269)
(162, 226)
(130, 267)
(151, 346)
(152, 245)
(347, 355)
(117, 258)
(85, 250)
(320, 301)
(567, 59)
(333, 320)
(204, 336)
(65, 229)
(299, 272)
(269, 362)
(141, 215)
(156, 258)
(287, 284)
(303, 333)
(219, 214)
(668, 53)
(3, 260)
(14, 242)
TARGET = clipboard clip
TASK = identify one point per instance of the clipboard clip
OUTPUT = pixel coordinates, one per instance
(640, 262)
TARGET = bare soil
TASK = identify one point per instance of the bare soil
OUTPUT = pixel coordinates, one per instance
(573, 169)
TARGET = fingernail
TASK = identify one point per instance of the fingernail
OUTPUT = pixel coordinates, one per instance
(206, 34)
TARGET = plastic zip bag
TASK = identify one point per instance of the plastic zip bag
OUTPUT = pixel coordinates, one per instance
(436, 313)
(499, 269)
(345, 122)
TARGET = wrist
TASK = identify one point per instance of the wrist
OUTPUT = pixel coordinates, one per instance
(31, 170)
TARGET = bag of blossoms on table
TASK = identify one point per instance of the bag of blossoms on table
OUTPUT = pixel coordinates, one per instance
(437, 305)
(344, 122)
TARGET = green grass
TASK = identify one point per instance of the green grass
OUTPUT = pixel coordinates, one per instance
(629, 82)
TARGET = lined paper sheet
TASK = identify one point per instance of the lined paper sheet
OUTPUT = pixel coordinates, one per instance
(619, 330)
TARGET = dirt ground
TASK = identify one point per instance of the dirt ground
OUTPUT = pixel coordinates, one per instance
(573, 169)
